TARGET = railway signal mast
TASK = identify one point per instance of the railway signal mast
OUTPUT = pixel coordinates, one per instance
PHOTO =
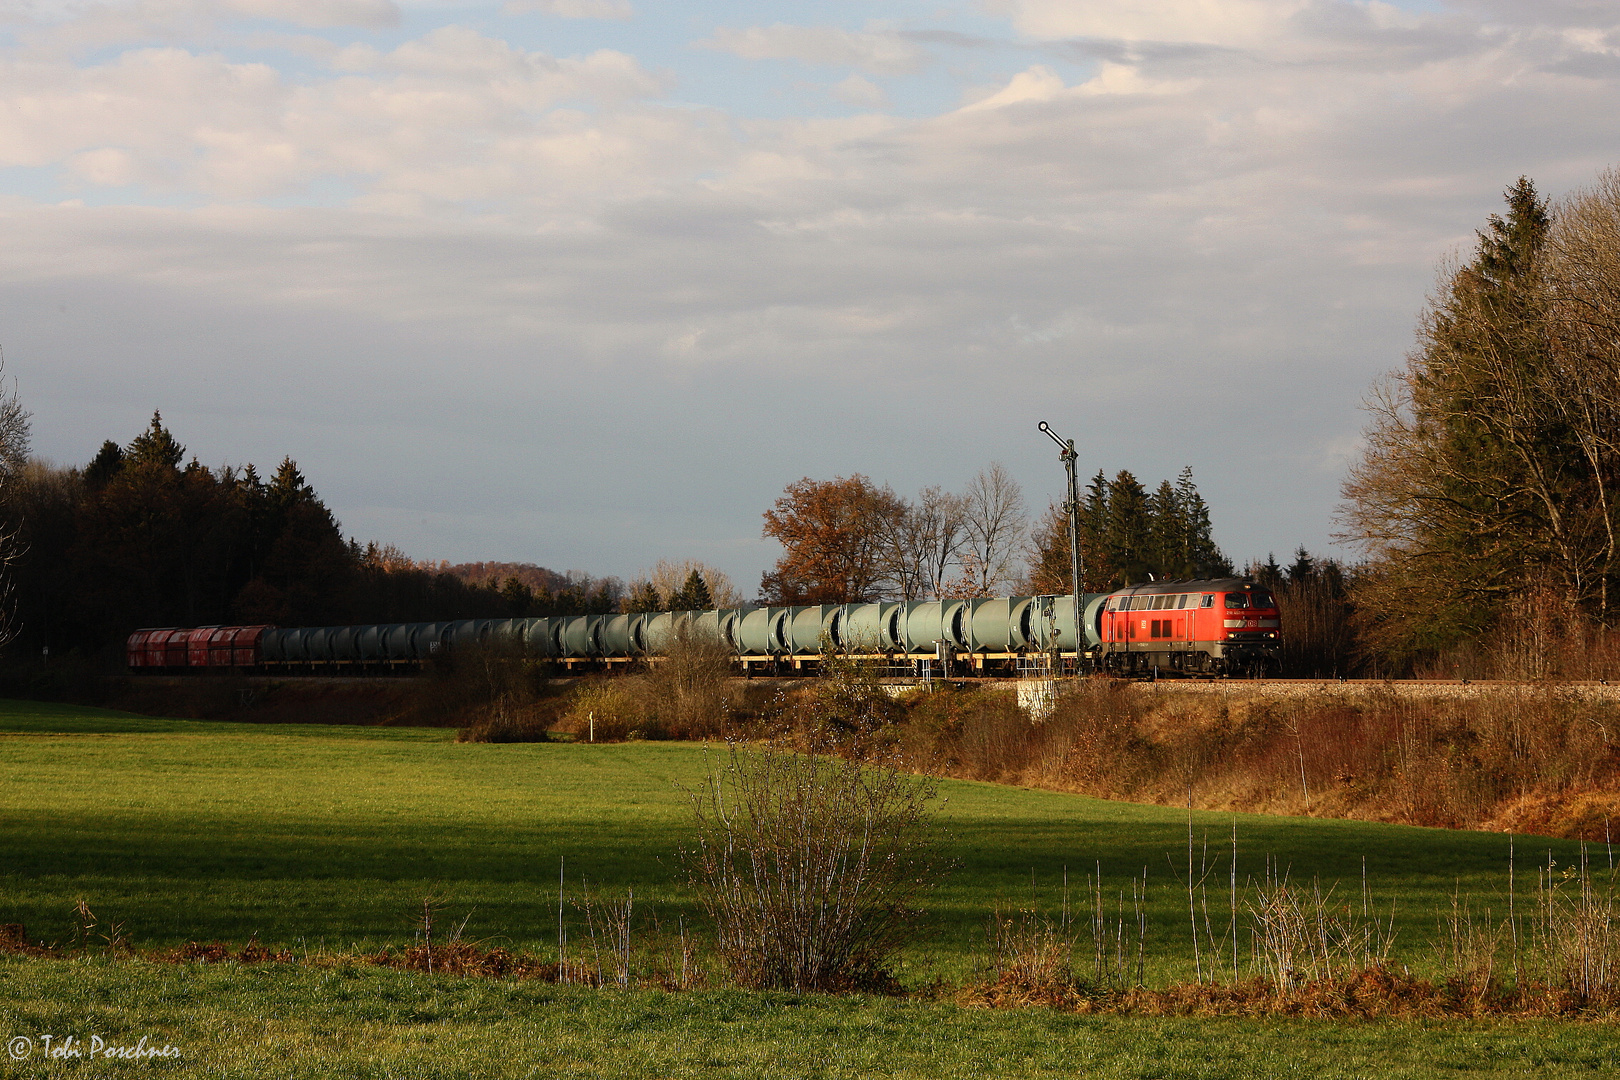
(1072, 508)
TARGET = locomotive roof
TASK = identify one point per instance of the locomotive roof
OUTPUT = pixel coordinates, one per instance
(1153, 588)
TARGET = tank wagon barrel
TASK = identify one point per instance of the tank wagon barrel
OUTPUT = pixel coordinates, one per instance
(1205, 626)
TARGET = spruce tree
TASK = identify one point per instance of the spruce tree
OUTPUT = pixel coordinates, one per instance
(1097, 562)
(1167, 534)
(1476, 486)
(107, 463)
(1204, 558)
(1128, 529)
(155, 448)
(643, 600)
(693, 595)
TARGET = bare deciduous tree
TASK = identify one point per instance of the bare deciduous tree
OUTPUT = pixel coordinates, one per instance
(14, 446)
(994, 520)
(923, 542)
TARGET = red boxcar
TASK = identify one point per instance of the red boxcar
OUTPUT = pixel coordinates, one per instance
(145, 648)
(167, 648)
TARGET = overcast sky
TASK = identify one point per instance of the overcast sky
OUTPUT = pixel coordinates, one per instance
(587, 282)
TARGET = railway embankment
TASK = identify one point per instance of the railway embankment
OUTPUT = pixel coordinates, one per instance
(1417, 689)
(1521, 757)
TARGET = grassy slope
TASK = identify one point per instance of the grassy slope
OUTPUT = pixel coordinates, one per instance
(185, 830)
(191, 830)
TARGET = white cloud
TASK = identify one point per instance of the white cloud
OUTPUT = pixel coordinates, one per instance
(1238, 23)
(573, 9)
(876, 51)
(525, 243)
(319, 12)
(1039, 83)
(861, 92)
(453, 115)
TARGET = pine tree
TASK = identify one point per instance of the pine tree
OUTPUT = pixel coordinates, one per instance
(1167, 547)
(1097, 564)
(1129, 525)
(288, 487)
(692, 596)
(1204, 557)
(517, 598)
(108, 463)
(644, 599)
(155, 448)
(1476, 486)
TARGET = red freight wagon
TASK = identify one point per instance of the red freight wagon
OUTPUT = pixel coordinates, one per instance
(205, 647)
(157, 647)
(244, 645)
(145, 648)
(197, 644)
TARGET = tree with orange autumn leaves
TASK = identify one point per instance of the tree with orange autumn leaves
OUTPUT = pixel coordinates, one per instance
(847, 540)
(833, 534)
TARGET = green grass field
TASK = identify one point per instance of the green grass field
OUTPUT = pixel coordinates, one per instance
(230, 1022)
(329, 837)
(307, 835)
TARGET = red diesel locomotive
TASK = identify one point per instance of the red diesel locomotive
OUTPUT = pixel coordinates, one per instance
(1229, 626)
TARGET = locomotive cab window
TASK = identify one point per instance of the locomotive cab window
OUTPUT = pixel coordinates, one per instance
(1209, 600)
(1237, 600)
(1263, 600)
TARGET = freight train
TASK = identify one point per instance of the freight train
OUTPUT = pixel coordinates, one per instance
(1229, 626)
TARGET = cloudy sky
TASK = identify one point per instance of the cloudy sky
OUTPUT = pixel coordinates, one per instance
(586, 282)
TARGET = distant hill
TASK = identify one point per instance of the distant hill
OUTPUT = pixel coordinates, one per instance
(535, 577)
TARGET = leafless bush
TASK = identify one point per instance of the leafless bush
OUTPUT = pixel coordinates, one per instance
(1574, 931)
(1320, 641)
(609, 922)
(690, 685)
(1303, 935)
(1032, 955)
(1469, 949)
(847, 711)
(809, 866)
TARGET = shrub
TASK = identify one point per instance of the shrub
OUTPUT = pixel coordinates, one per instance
(479, 685)
(847, 710)
(687, 693)
(809, 866)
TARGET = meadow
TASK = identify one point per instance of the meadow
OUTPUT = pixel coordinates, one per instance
(325, 840)
(332, 836)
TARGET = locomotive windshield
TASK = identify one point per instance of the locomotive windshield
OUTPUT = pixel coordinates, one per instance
(1237, 600)
(1263, 599)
